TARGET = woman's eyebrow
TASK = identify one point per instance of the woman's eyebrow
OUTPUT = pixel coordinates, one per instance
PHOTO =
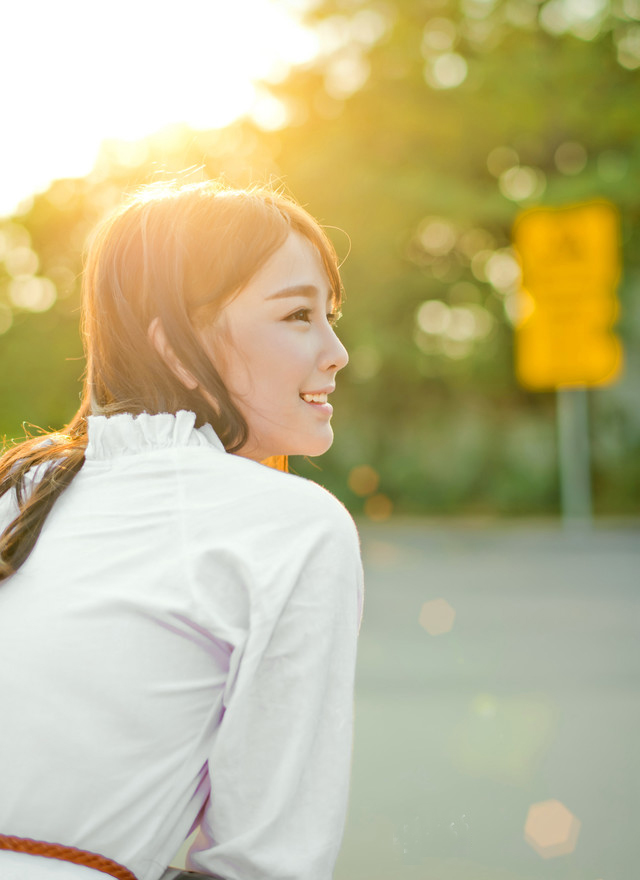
(306, 290)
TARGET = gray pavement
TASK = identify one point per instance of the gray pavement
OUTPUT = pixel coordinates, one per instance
(533, 696)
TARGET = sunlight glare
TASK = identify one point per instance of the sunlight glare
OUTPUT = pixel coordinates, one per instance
(81, 74)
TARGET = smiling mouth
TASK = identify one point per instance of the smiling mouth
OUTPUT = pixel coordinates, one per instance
(314, 398)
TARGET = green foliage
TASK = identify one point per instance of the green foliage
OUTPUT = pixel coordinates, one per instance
(404, 134)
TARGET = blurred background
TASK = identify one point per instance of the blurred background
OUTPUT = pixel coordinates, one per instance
(418, 131)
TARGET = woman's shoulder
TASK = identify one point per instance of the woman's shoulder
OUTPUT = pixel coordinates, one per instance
(251, 498)
(291, 492)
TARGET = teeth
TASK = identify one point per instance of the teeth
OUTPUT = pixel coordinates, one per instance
(314, 398)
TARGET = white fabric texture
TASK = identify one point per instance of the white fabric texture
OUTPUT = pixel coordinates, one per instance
(178, 649)
(21, 866)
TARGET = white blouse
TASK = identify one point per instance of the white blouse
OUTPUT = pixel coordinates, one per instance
(179, 650)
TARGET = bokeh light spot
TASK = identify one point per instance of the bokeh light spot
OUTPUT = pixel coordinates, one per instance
(484, 34)
(479, 263)
(32, 294)
(378, 507)
(628, 47)
(570, 157)
(447, 71)
(553, 19)
(518, 307)
(369, 25)
(439, 35)
(551, 829)
(436, 617)
(346, 74)
(61, 193)
(268, 112)
(13, 235)
(503, 270)
(522, 183)
(363, 480)
(478, 9)
(333, 34)
(484, 320)
(21, 261)
(462, 324)
(583, 18)
(437, 236)
(433, 316)
(584, 10)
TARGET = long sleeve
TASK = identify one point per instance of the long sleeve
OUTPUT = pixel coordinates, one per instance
(280, 760)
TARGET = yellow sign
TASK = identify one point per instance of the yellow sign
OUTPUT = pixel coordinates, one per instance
(570, 262)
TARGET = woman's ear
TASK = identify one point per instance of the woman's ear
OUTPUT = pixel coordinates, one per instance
(159, 341)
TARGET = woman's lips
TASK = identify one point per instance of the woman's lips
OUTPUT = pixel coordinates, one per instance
(324, 408)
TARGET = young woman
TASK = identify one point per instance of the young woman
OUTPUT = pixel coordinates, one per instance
(178, 622)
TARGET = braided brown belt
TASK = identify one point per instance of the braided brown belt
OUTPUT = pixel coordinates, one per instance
(66, 854)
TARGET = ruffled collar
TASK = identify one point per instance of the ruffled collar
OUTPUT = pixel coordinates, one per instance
(127, 434)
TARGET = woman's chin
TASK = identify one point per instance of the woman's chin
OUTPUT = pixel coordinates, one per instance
(310, 446)
(314, 446)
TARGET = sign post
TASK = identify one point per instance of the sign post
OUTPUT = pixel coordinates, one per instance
(570, 262)
(573, 455)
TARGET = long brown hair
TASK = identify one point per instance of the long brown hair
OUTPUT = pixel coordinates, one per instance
(174, 252)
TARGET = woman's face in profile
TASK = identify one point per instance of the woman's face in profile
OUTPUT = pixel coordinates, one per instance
(272, 344)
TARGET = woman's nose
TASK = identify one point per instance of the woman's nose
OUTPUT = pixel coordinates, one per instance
(336, 356)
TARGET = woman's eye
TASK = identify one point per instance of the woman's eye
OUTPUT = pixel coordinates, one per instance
(300, 315)
(305, 316)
